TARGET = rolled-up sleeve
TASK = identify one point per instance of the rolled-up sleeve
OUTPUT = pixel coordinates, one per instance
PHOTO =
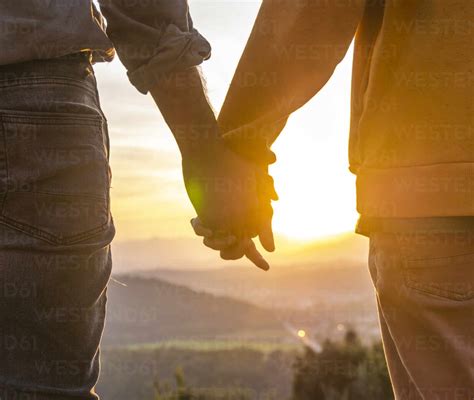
(153, 38)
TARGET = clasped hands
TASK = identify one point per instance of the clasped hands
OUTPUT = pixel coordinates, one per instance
(231, 191)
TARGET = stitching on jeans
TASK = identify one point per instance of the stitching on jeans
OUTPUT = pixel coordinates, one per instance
(35, 231)
(416, 285)
(439, 258)
(85, 195)
(435, 292)
(414, 282)
(52, 119)
(7, 174)
(37, 81)
(439, 292)
(52, 239)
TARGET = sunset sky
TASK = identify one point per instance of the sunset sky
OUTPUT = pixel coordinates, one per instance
(317, 193)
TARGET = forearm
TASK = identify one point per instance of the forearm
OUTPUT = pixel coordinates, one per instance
(220, 185)
(292, 51)
(182, 100)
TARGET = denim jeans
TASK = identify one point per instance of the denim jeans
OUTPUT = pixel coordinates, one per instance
(55, 229)
(424, 284)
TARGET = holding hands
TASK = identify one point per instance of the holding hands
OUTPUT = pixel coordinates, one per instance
(226, 176)
(242, 193)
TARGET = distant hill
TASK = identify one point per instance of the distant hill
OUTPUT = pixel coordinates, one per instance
(323, 300)
(347, 246)
(294, 286)
(324, 289)
(189, 253)
(149, 310)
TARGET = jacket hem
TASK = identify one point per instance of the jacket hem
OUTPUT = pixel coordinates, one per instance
(439, 190)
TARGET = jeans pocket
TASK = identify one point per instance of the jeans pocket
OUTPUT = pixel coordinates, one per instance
(450, 277)
(54, 175)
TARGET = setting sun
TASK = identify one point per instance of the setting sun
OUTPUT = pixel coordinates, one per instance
(291, 209)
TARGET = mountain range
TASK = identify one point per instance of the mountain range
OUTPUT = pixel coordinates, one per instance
(189, 253)
(146, 311)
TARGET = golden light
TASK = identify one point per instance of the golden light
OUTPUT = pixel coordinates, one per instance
(317, 192)
(301, 333)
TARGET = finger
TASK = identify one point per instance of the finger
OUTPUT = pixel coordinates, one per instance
(270, 188)
(253, 255)
(266, 186)
(235, 252)
(220, 243)
(273, 194)
(266, 236)
(199, 228)
(265, 233)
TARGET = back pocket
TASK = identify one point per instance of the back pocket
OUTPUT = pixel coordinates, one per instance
(55, 177)
(449, 277)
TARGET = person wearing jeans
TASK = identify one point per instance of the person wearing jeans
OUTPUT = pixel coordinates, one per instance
(55, 220)
(411, 148)
(55, 228)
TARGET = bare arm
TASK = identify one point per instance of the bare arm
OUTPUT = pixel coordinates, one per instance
(221, 186)
(158, 44)
(184, 105)
(292, 52)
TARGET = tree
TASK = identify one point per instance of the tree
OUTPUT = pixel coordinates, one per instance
(182, 392)
(342, 371)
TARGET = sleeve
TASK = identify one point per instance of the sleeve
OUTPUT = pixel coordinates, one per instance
(153, 38)
(292, 52)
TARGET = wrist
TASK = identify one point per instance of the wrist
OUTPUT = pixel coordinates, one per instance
(251, 145)
(199, 142)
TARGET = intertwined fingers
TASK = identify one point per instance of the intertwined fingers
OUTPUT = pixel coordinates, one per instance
(266, 194)
(199, 228)
(220, 243)
(266, 236)
(245, 247)
(211, 239)
(229, 246)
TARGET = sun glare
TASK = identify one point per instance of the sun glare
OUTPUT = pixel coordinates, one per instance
(301, 333)
(317, 193)
(316, 207)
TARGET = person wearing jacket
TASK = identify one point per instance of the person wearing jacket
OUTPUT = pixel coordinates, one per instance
(411, 147)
